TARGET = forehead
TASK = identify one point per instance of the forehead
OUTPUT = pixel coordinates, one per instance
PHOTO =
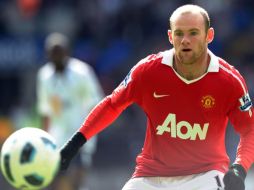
(188, 20)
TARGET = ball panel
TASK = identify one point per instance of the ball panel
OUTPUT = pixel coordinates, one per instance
(28, 153)
(48, 142)
(34, 179)
(7, 168)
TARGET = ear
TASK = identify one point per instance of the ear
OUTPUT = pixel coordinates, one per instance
(210, 35)
(170, 38)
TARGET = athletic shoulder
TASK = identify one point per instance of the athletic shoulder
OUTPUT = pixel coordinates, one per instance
(230, 71)
(46, 71)
(149, 61)
(225, 66)
(142, 68)
(233, 76)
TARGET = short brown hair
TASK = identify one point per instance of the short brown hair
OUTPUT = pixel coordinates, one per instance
(191, 8)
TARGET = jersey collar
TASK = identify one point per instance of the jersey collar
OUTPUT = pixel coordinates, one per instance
(169, 55)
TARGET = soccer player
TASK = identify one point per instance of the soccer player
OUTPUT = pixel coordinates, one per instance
(67, 89)
(189, 95)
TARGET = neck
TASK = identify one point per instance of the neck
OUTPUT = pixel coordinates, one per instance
(194, 70)
(60, 66)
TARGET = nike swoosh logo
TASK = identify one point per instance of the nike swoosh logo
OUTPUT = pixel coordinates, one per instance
(159, 95)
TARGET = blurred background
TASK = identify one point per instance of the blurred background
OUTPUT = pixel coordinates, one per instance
(112, 36)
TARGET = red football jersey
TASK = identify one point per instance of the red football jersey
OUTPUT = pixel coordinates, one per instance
(186, 119)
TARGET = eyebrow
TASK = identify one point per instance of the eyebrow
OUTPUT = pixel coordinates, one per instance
(192, 29)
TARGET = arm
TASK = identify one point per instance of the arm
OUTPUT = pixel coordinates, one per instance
(99, 118)
(245, 150)
(243, 122)
(234, 178)
(241, 117)
(103, 115)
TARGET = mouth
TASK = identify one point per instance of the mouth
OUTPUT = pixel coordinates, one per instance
(186, 50)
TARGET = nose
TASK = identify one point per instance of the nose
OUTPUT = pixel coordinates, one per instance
(185, 40)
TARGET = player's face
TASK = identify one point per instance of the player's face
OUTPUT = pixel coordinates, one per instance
(57, 56)
(190, 38)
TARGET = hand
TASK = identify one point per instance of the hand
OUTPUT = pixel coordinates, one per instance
(234, 178)
(70, 149)
(65, 159)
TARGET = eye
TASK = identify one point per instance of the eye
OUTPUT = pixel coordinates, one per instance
(193, 33)
(179, 34)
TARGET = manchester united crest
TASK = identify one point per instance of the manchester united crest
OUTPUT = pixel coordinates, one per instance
(208, 101)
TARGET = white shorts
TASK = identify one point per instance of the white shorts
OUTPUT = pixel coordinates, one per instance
(212, 180)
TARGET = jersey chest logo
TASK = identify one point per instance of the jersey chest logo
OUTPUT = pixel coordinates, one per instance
(155, 95)
(208, 101)
(183, 129)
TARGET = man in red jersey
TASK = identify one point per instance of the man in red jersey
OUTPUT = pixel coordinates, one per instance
(188, 95)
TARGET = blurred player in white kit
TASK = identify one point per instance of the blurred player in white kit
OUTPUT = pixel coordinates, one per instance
(67, 89)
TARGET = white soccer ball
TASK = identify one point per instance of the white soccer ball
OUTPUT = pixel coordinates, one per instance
(30, 159)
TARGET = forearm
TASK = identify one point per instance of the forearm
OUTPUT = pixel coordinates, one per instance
(245, 150)
(99, 118)
(70, 149)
